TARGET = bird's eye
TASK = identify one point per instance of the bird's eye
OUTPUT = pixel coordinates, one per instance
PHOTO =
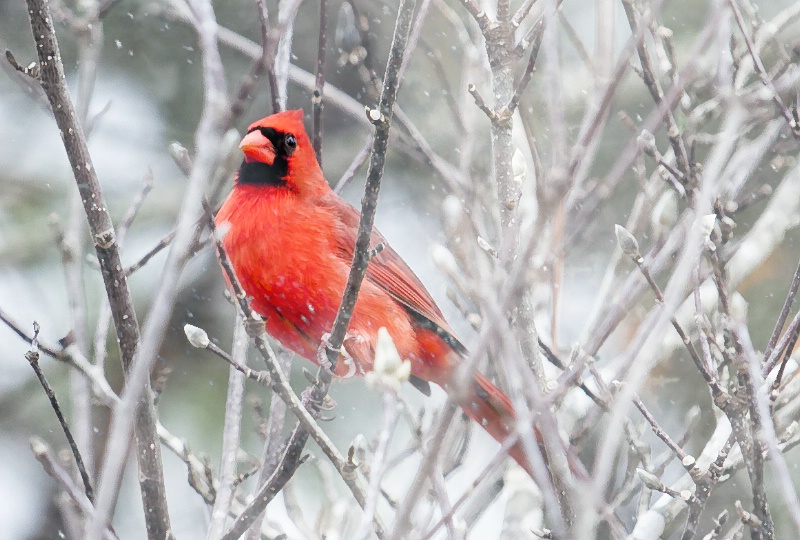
(290, 144)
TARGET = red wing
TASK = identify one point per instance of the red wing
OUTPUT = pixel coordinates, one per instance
(390, 272)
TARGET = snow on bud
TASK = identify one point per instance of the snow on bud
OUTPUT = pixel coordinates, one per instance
(197, 336)
(180, 155)
(38, 446)
(738, 307)
(389, 370)
(646, 140)
(487, 247)
(453, 211)
(790, 431)
(229, 151)
(519, 167)
(627, 243)
(692, 418)
(705, 225)
(688, 461)
(665, 212)
(474, 320)
(444, 259)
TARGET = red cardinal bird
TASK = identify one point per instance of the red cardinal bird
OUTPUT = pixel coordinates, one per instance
(291, 242)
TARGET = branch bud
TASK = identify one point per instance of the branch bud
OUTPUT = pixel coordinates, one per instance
(453, 211)
(389, 370)
(197, 336)
(444, 260)
(705, 226)
(650, 480)
(627, 243)
(487, 247)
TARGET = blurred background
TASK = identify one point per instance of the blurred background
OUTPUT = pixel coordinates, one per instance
(149, 93)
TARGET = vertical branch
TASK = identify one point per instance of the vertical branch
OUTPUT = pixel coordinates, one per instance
(230, 437)
(761, 410)
(500, 47)
(287, 11)
(103, 234)
(208, 139)
(74, 246)
(70, 244)
(378, 465)
(320, 79)
(270, 458)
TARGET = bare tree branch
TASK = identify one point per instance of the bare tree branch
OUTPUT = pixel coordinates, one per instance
(103, 234)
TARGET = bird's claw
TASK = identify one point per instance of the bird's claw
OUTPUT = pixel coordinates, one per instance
(322, 351)
(344, 356)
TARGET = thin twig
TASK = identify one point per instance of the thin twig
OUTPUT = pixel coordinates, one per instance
(320, 80)
(273, 446)
(529, 67)
(762, 71)
(499, 458)
(477, 13)
(378, 464)
(654, 87)
(263, 63)
(231, 433)
(358, 161)
(784, 314)
(32, 356)
(199, 338)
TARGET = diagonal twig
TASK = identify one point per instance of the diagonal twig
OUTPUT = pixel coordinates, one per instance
(32, 356)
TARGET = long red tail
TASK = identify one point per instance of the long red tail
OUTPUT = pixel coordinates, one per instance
(492, 410)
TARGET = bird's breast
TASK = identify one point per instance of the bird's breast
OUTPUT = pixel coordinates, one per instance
(280, 248)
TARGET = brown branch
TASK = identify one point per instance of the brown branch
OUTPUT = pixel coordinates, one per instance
(291, 460)
(477, 13)
(630, 247)
(481, 104)
(102, 229)
(529, 68)
(522, 12)
(381, 118)
(784, 314)
(199, 475)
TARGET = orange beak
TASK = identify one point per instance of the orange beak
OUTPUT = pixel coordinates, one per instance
(257, 147)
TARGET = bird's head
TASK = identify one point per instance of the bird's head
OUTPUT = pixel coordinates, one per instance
(278, 152)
